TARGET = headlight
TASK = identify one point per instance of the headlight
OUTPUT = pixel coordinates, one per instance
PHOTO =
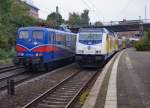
(98, 52)
(40, 54)
(36, 54)
(22, 54)
(19, 54)
(80, 51)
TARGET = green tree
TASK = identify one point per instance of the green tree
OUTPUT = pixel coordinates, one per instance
(98, 23)
(5, 9)
(13, 14)
(85, 18)
(55, 19)
(74, 19)
(77, 20)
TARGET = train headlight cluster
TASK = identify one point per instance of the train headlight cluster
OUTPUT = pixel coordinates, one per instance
(20, 54)
(98, 52)
(38, 54)
(80, 51)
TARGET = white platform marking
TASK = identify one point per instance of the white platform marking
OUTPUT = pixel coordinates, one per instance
(111, 97)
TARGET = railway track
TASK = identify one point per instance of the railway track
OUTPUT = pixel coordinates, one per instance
(64, 94)
(19, 78)
(9, 68)
(6, 66)
(9, 72)
(18, 74)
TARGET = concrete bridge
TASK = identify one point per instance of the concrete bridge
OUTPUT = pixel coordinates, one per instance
(122, 26)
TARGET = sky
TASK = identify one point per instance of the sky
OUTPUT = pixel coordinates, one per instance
(100, 10)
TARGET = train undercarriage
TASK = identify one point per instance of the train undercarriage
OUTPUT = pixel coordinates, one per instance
(38, 64)
(90, 60)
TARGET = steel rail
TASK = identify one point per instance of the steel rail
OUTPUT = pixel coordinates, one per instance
(42, 96)
(73, 86)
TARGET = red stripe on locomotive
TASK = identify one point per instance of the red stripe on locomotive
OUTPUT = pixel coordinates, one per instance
(45, 49)
(20, 49)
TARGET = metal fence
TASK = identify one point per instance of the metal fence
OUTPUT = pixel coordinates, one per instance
(126, 22)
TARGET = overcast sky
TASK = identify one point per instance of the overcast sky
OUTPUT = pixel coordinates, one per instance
(103, 10)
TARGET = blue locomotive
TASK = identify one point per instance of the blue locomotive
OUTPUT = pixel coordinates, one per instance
(38, 47)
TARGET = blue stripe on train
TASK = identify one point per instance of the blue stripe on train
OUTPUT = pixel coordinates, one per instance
(90, 42)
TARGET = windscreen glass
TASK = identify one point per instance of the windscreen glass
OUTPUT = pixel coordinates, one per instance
(38, 36)
(90, 36)
(24, 35)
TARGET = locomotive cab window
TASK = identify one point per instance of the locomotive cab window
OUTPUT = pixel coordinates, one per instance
(24, 35)
(38, 36)
(90, 36)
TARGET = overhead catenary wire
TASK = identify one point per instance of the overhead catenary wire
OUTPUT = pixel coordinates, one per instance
(47, 11)
(89, 7)
(148, 9)
(61, 9)
(94, 6)
(123, 10)
(125, 7)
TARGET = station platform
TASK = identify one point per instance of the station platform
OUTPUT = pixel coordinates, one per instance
(123, 83)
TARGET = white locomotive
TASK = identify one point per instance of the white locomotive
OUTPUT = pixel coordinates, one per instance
(94, 46)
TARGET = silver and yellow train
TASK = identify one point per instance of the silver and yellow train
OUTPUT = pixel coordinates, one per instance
(95, 45)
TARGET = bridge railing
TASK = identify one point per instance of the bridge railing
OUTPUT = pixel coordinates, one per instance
(146, 21)
(126, 22)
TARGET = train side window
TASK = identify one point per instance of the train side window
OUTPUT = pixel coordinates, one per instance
(68, 40)
(60, 39)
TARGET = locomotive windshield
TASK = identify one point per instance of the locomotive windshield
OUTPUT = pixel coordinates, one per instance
(38, 36)
(24, 35)
(90, 36)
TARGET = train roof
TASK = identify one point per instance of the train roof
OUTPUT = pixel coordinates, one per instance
(48, 29)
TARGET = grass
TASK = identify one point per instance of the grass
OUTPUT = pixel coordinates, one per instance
(6, 56)
(83, 97)
(6, 61)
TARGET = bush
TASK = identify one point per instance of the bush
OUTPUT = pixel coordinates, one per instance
(7, 54)
(13, 14)
(144, 43)
(83, 97)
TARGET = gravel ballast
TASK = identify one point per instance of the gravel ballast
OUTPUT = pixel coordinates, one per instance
(31, 89)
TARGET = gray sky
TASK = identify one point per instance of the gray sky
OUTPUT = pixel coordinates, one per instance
(103, 10)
